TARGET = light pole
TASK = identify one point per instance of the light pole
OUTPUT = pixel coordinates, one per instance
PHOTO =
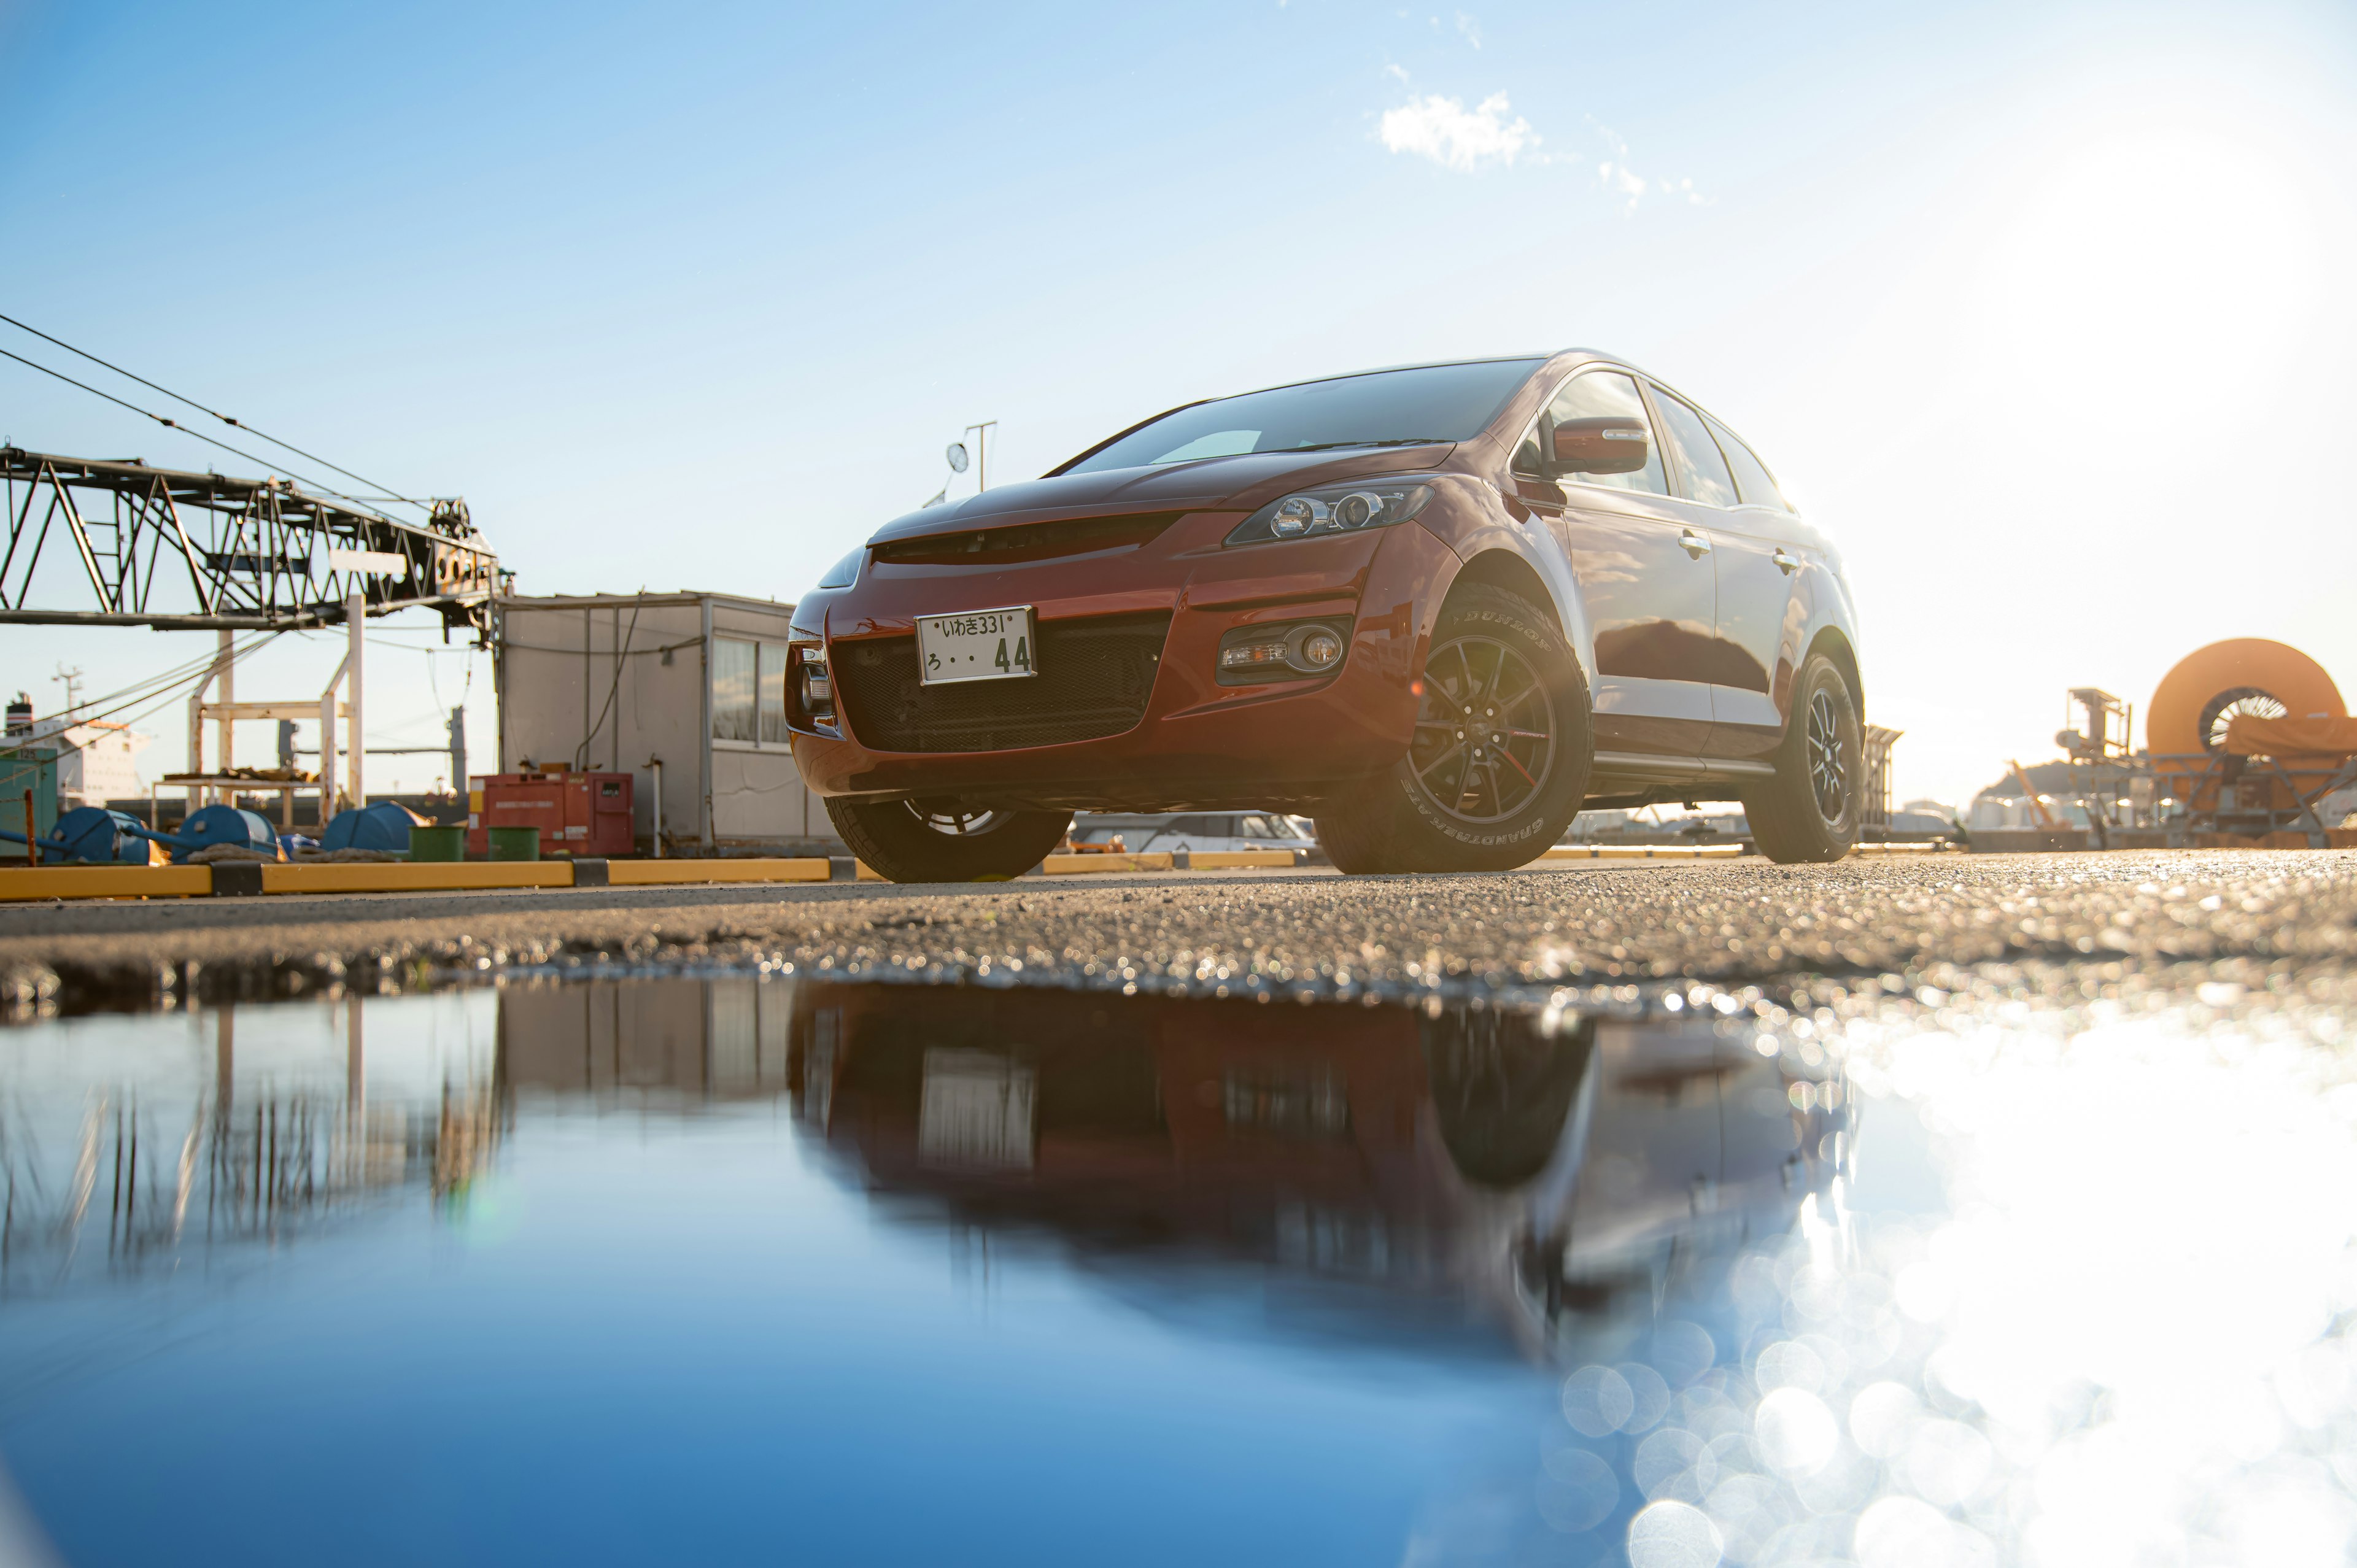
(958, 458)
(981, 433)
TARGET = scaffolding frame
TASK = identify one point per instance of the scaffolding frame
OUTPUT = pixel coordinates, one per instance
(250, 554)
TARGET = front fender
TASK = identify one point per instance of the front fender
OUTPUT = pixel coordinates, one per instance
(1822, 606)
(1483, 531)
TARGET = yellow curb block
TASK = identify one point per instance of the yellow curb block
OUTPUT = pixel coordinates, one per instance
(106, 881)
(866, 873)
(1641, 852)
(652, 873)
(420, 877)
(1905, 849)
(1081, 864)
(40, 883)
(1240, 859)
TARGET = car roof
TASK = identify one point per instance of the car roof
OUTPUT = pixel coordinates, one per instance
(1538, 358)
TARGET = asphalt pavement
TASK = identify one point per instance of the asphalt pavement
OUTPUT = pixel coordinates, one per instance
(2266, 920)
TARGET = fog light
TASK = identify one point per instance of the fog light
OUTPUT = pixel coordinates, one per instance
(1320, 649)
(816, 688)
(1253, 655)
(1282, 652)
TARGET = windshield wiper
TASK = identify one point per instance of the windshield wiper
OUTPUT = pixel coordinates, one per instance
(1394, 441)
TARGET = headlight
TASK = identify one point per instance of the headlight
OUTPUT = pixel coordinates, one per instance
(844, 572)
(1333, 509)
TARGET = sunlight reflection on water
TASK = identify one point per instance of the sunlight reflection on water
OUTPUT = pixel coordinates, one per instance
(1922, 1283)
(2120, 1336)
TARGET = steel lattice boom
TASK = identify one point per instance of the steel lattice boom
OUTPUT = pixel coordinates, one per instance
(174, 550)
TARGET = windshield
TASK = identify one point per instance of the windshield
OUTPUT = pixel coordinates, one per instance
(1384, 408)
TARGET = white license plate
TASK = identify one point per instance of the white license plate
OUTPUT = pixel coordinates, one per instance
(976, 645)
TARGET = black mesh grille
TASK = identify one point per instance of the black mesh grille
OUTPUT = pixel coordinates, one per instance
(1094, 677)
(1028, 541)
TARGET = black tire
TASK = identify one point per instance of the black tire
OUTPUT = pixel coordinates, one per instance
(1486, 642)
(1809, 813)
(943, 841)
(1502, 1090)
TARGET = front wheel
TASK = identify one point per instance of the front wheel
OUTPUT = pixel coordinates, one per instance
(1809, 811)
(946, 841)
(1497, 764)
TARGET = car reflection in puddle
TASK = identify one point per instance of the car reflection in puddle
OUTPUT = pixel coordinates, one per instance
(1543, 1177)
(941, 1273)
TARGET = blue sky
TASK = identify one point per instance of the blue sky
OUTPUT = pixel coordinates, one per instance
(2037, 308)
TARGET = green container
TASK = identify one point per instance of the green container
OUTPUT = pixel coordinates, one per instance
(21, 767)
(439, 843)
(514, 844)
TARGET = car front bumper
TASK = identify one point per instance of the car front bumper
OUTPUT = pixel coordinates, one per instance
(1199, 743)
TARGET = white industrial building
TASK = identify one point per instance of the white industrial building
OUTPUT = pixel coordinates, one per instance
(96, 762)
(685, 692)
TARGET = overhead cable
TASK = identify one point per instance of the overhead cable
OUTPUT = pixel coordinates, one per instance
(167, 684)
(176, 424)
(90, 709)
(225, 419)
(581, 752)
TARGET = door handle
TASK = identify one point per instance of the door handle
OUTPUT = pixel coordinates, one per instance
(1694, 544)
(1785, 560)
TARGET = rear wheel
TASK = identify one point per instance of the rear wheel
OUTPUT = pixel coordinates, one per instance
(1809, 811)
(946, 841)
(1498, 766)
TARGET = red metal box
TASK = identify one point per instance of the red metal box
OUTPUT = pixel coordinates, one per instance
(579, 814)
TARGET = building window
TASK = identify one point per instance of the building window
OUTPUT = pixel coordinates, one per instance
(734, 668)
(748, 691)
(773, 691)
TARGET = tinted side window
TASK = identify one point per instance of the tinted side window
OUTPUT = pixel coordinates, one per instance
(1752, 478)
(1593, 396)
(1702, 472)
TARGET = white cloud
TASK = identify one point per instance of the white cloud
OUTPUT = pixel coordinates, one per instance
(1615, 175)
(1454, 136)
(1399, 71)
(1621, 178)
(1470, 28)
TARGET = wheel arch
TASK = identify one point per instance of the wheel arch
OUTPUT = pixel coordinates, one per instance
(1835, 645)
(1504, 570)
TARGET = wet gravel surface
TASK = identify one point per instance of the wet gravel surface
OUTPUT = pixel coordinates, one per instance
(2107, 924)
(2086, 1291)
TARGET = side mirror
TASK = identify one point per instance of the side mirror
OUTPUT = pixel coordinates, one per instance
(1614, 444)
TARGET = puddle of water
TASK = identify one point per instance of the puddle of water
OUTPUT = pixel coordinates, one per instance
(723, 1270)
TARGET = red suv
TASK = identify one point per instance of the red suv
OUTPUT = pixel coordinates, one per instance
(1440, 608)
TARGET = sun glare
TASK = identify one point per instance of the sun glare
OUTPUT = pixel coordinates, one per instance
(2149, 238)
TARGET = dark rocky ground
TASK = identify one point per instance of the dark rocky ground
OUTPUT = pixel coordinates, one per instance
(2060, 925)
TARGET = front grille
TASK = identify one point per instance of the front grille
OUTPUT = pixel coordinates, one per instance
(1027, 542)
(1094, 677)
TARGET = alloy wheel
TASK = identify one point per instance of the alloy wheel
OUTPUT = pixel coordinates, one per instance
(953, 818)
(1485, 731)
(1828, 758)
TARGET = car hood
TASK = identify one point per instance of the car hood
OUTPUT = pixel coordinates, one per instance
(1243, 482)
